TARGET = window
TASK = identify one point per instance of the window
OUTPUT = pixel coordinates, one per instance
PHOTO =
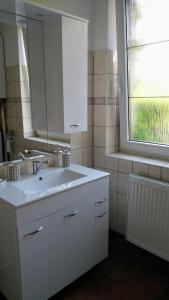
(143, 48)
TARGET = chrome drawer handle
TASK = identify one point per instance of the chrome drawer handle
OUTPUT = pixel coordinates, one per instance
(71, 215)
(33, 232)
(100, 202)
(100, 216)
(75, 125)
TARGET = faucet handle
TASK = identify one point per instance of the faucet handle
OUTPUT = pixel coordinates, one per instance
(62, 149)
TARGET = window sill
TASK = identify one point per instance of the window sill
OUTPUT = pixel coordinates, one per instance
(140, 159)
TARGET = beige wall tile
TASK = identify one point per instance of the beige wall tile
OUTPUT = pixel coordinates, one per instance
(140, 168)
(90, 115)
(121, 220)
(111, 115)
(13, 90)
(76, 156)
(113, 180)
(76, 140)
(90, 62)
(113, 220)
(99, 136)
(90, 86)
(88, 156)
(113, 200)
(111, 137)
(122, 203)
(111, 163)
(87, 138)
(99, 115)
(103, 62)
(125, 166)
(105, 85)
(165, 174)
(154, 172)
(99, 157)
(122, 183)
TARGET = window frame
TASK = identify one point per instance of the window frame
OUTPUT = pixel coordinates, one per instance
(157, 150)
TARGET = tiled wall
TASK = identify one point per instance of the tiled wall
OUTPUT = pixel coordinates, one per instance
(106, 121)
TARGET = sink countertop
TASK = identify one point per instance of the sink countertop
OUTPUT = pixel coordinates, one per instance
(17, 197)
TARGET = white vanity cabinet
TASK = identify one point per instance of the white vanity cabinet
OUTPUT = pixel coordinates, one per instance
(66, 50)
(53, 241)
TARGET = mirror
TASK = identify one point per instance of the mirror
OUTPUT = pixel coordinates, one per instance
(22, 86)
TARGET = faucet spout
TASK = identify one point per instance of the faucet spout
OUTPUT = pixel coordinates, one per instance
(38, 165)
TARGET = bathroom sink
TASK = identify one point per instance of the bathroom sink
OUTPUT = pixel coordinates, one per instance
(46, 181)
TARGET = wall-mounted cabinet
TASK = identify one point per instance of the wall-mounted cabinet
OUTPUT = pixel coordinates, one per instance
(65, 48)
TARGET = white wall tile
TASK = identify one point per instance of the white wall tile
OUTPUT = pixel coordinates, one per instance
(113, 180)
(99, 157)
(87, 138)
(113, 200)
(76, 156)
(88, 156)
(113, 220)
(154, 172)
(99, 115)
(122, 203)
(165, 174)
(125, 166)
(121, 220)
(140, 168)
(122, 183)
(111, 163)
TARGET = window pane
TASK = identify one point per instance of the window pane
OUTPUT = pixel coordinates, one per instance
(147, 21)
(148, 70)
(149, 120)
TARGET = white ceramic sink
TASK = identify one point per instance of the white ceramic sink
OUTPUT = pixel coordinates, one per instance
(45, 181)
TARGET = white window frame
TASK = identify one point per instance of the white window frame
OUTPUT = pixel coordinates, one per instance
(125, 144)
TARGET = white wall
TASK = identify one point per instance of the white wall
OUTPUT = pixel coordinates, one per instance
(80, 8)
(100, 13)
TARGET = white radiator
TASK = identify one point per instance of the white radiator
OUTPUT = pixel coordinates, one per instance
(148, 215)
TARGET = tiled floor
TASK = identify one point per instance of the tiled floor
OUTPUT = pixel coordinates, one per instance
(128, 274)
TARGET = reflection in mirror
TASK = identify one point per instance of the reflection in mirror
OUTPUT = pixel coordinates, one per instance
(22, 85)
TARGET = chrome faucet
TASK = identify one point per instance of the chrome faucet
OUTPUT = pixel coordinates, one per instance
(21, 156)
(38, 165)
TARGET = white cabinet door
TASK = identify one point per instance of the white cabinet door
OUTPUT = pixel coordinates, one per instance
(69, 245)
(78, 239)
(66, 50)
(33, 250)
(74, 47)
